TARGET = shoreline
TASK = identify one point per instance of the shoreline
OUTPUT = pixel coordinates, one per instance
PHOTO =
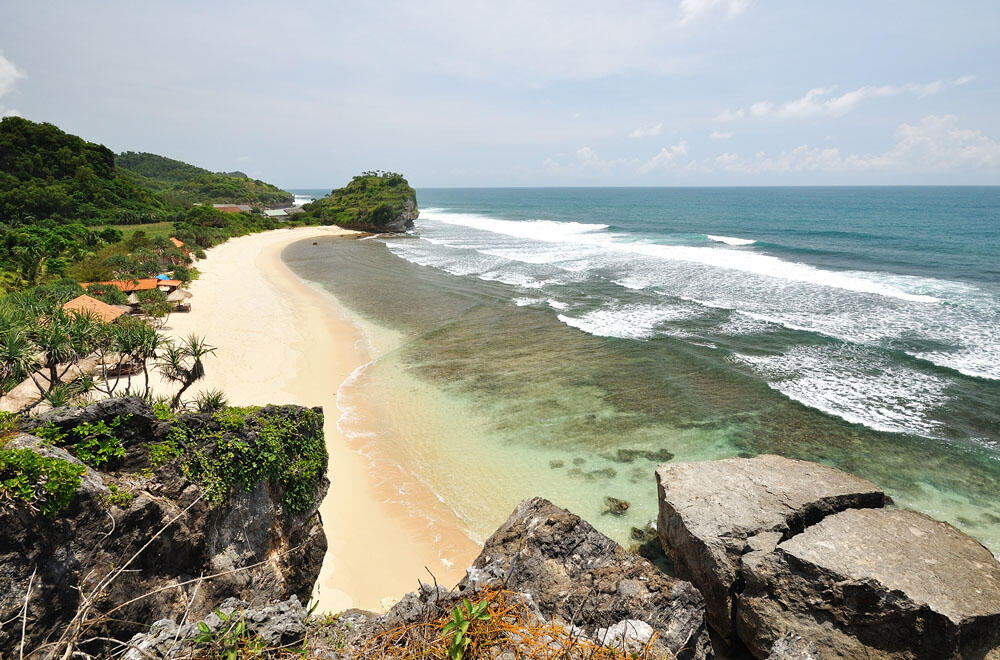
(261, 318)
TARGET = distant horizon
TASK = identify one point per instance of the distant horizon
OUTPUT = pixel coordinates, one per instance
(845, 185)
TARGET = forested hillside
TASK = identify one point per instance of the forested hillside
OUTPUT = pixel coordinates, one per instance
(183, 183)
(46, 173)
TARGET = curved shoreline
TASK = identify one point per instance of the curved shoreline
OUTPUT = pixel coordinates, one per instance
(262, 318)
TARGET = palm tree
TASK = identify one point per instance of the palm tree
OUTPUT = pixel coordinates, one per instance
(182, 363)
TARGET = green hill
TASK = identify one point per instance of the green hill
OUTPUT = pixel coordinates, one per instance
(46, 173)
(373, 201)
(183, 183)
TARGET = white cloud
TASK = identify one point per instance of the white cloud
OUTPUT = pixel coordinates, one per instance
(668, 157)
(935, 144)
(9, 75)
(585, 160)
(691, 10)
(819, 102)
(761, 108)
(720, 135)
(646, 131)
(730, 115)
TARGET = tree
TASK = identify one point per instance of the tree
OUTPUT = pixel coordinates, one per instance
(61, 340)
(182, 363)
(153, 304)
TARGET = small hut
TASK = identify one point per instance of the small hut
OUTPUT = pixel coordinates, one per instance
(100, 310)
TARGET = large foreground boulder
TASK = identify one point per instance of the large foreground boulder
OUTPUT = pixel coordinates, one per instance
(876, 583)
(713, 512)
(574, 572)
(782, 547)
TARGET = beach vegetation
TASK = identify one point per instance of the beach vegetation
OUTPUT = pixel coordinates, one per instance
(210, 401)
(248, 445)
(182, 362)
(41, 483)
(94, 443)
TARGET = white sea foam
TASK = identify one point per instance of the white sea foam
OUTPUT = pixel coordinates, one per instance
(771, 267)
(856, 385)
(763, 291)
(626, 321)
(299, 200)
(729, 240)
(555, 304)
(525, 302)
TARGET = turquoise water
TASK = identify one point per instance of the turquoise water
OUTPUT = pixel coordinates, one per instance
(562, 341)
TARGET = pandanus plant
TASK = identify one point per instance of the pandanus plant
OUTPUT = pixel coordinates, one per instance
(181, 363)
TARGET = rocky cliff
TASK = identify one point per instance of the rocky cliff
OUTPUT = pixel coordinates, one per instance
(166, 528)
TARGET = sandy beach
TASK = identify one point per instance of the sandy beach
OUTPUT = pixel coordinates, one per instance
(280, 340)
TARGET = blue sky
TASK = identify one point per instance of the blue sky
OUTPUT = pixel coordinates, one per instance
(523, 93)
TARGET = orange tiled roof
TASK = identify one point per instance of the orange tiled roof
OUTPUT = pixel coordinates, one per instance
(84, 304)
(142, 284)
(229, 209)
(177, 243)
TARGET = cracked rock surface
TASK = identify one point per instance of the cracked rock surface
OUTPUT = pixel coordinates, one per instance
(780, 546)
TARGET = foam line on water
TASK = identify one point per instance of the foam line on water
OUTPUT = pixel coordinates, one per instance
(730, 240)
(719, 258)
(855, 385)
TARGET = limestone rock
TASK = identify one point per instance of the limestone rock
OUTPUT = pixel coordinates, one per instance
(710, 512)
(793, 647)
(574, 572)
(279, 624)
(880, 583)
(278, 554)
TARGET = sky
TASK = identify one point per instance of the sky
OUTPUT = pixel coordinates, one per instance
(459, 93)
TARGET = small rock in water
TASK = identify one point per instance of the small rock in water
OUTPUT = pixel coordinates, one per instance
(579, 461)
(624, 455)
(555, 464)
(615, 506)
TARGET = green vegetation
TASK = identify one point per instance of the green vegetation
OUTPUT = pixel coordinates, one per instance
(46, 173)
(94, 443)
(182, 183)
(247, 445)
(372, 200)
(42, 483)
(461, 618)
(119, 497)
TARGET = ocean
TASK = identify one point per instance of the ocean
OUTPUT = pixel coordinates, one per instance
(562, 342)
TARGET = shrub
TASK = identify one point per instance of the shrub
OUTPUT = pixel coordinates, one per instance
(255, 444)
(94, 443)
(42, 483)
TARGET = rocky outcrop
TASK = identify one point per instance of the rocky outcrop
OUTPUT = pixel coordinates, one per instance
(883, 582)
(149, 545)
(574, 572)
(562, 590)
(402, 221)
(280, 624)
(712, 513)
(779, 546)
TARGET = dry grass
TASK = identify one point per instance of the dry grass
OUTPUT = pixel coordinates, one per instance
(512, 631)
